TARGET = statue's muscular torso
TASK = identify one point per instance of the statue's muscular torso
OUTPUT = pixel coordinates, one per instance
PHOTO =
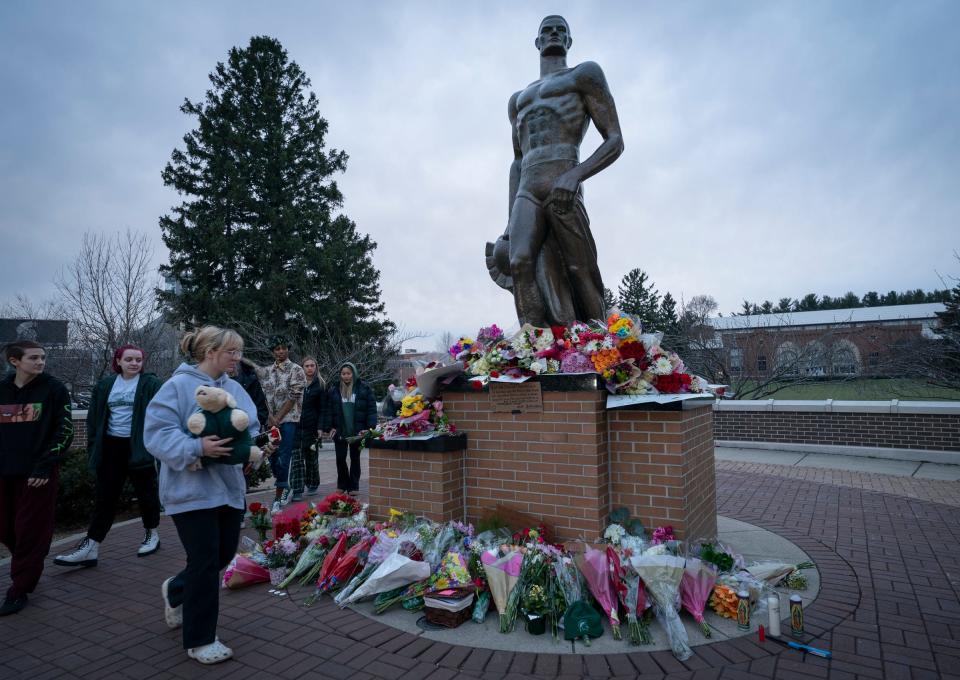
(550, 119)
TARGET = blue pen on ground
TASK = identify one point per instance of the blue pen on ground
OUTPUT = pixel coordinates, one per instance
(802, 647)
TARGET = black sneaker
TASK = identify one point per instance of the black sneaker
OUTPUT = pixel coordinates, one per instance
(11, 605)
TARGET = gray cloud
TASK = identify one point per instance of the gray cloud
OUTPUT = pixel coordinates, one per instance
(773, 149)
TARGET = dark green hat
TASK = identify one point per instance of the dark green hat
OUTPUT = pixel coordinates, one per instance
(581, 620)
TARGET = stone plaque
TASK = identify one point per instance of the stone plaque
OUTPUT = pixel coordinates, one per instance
(516, 398)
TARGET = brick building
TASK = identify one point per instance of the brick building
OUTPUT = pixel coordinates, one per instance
(824, 343)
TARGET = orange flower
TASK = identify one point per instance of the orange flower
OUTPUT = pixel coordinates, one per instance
(605, 359)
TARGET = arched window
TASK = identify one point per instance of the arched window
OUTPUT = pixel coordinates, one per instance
(844, 358)
(788, 358)
(814, 359)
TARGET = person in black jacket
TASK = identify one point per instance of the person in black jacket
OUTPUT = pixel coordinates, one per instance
(116, 452)
(247, 377)
(351, 411)
(304, 466)
(36, 428)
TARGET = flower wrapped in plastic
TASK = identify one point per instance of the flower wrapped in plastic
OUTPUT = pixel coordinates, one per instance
(309, 558)
(502, 572)
(243, 571)
(696, 586)
(348, 565)
(395, 573)
(595, 569)
(662, 575)
(773, 572)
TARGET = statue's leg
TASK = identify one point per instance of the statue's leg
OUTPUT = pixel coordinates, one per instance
(572, 233)
(527, 229)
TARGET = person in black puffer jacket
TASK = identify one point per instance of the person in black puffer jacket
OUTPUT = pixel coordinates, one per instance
(351, 411)
(304, 466)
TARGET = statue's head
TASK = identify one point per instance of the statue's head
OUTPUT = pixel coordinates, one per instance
(554, 36)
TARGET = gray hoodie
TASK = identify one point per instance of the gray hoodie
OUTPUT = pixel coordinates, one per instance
(166, 437)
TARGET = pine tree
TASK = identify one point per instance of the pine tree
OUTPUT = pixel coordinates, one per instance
(669, 319)
(257, 237)
(638, 296)
(609, 300)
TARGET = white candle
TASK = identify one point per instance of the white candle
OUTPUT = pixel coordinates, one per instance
(773, 611)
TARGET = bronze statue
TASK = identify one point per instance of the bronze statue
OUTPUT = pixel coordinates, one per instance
(547, 257)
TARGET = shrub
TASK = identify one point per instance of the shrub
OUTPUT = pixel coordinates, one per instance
(77, 493)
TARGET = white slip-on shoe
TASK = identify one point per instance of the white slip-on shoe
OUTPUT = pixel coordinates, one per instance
(172, 615)
(215, 652)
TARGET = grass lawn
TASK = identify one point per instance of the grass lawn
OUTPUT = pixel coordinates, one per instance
(869, 389)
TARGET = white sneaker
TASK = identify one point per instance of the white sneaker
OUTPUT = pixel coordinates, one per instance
(215, 652)
(276, 508)
(285, 497)
(151, 541)
(84, 555)
(172, 615)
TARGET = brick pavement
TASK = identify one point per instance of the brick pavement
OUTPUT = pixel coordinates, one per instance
(883, 560)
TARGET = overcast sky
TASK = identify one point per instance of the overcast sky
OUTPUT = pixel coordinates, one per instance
(772, 148)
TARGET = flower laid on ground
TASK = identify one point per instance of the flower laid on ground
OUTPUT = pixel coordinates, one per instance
(696, 587)
(724, 601)
(260, 520)
(662, 535)
(614, 533)
(339, 505)
(281, 553)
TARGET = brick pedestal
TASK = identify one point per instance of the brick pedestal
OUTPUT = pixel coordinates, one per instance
(569, 465)
(424, 477)
(662, 467)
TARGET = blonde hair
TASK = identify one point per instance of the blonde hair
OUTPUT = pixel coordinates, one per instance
(196, 344)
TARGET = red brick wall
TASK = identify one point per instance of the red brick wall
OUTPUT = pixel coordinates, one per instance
(431, 483)
(80, 430)
(552, 465)
(663, 469)
(887, 430)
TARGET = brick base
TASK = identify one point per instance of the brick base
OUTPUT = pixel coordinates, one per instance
(429, 484)
(663, 469)
(569, 465)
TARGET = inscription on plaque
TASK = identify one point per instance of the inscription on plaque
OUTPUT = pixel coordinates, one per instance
(516, 397)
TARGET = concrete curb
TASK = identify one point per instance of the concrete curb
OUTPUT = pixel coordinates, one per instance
(912, 455)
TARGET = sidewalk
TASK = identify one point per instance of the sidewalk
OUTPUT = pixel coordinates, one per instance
(888, 607)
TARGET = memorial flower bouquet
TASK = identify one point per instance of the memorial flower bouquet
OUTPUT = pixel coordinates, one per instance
(260, 520)
(696, 587)
(662, 575)
(281, 553)
(339, 505)
(596, 570)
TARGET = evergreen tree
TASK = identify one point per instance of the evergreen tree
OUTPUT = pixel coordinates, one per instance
(808, 303)
(669, 319)
(257, 237)
(871, 299)
(784, 306)
(609, 300)
(637, 295)
(766, 307)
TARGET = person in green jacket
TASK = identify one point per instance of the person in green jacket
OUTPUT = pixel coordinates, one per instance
(116, 450)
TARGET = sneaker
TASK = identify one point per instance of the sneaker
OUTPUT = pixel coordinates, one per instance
(11, 605)
(276, 508)
(215, 652)
(313, 490)
(151, 541)
(172, 615)
(296, 498)
(84, 555)
(285, 497)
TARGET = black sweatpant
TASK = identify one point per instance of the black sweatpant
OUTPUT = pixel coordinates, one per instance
(210, 540)
(348, 479)
(112, 472)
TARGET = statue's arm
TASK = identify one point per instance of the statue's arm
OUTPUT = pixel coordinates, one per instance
(517, 153)
(603, 113)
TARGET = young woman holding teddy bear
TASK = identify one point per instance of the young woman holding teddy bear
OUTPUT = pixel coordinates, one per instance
(205, 501)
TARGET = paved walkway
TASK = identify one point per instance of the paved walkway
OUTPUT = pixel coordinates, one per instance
(889, 607)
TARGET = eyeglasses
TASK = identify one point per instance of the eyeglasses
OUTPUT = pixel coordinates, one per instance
(234, 353)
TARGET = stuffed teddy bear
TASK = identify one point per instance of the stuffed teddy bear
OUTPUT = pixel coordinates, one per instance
(221, 417)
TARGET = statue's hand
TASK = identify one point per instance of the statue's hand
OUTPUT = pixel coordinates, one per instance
(564, 192)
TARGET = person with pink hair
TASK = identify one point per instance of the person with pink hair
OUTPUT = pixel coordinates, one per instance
(116, 452)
